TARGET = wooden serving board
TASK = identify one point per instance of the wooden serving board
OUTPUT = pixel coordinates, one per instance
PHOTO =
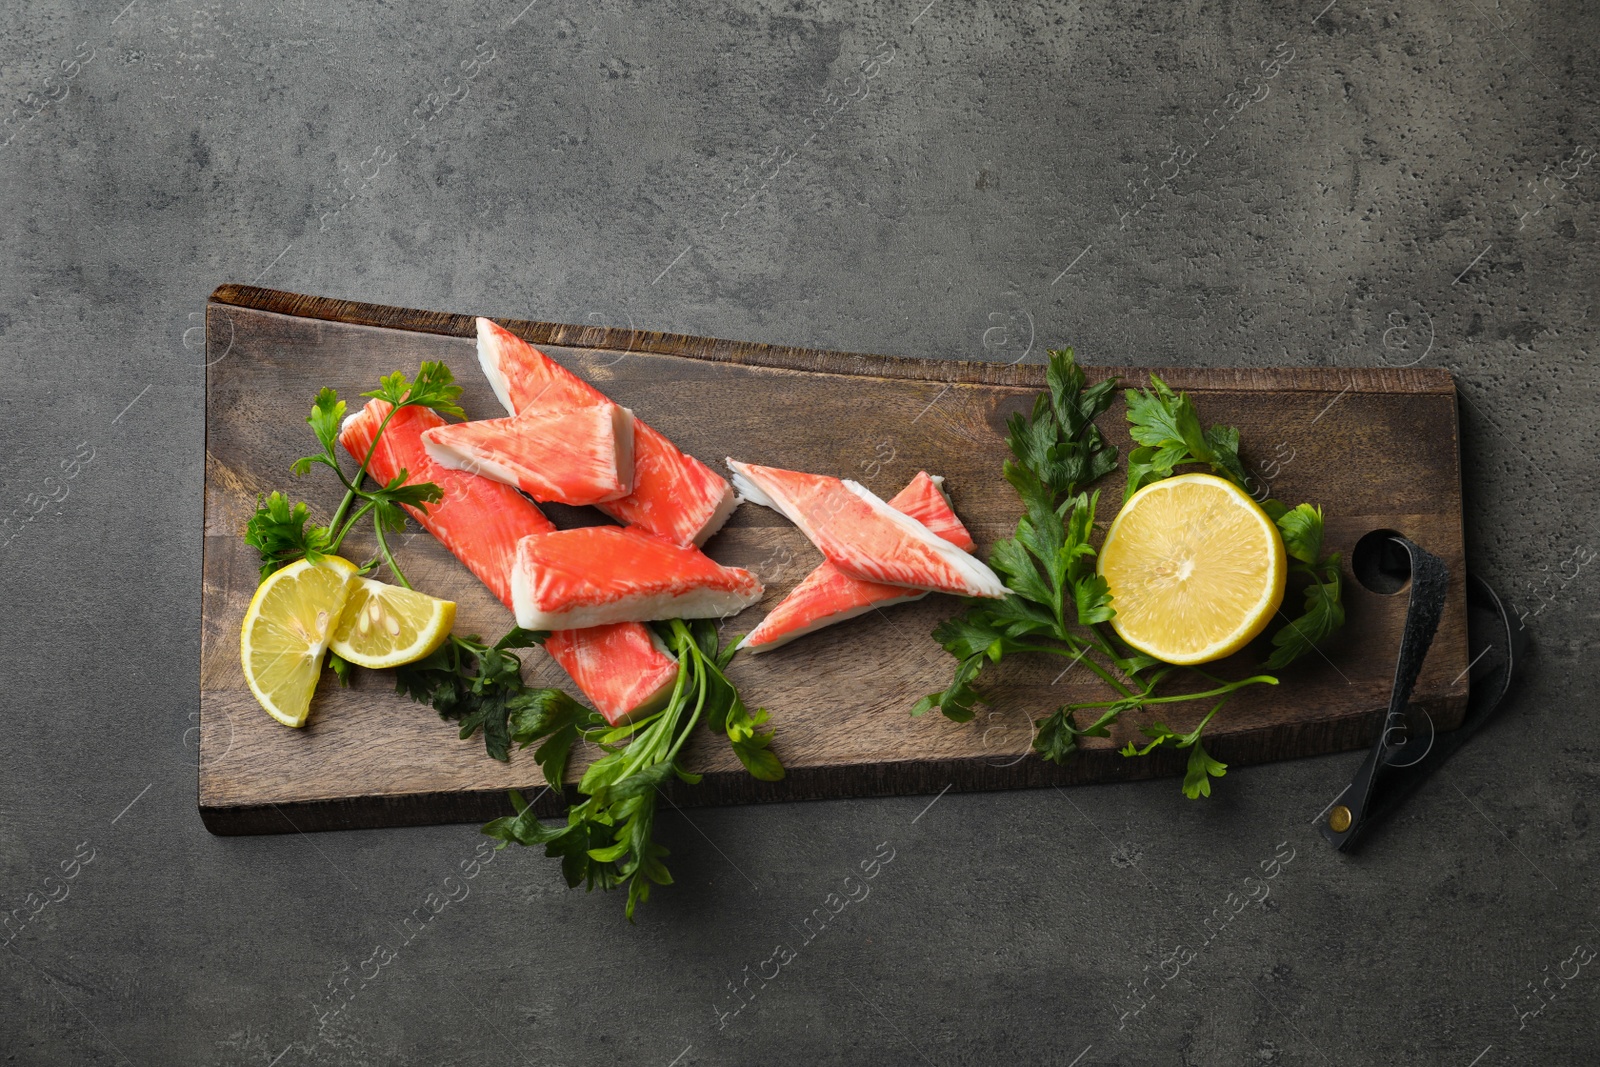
(1377, 448)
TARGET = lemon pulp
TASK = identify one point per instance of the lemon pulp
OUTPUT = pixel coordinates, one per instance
(388, 626)
(286, 631)
(1196, 569)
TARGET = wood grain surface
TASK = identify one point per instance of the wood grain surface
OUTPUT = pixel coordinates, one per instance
(1376, 447)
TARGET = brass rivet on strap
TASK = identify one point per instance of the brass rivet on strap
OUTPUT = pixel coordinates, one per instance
(1339, 819)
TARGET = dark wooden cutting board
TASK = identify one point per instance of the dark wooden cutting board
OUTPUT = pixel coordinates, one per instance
(1377, 448)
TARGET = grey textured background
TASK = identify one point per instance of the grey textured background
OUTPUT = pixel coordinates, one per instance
(1413, 186)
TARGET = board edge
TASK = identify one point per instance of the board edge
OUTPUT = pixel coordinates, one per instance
(902, 778)
(1410, 380)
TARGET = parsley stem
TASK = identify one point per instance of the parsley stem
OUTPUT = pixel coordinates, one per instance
(1100, 639)
(350, 523)
(1195, 733)
(1179, 698)
(330, 459)
(688, 650)
(388, 556)
(361, 470)
(338, 514)
(1088, 661)
(1106, 676)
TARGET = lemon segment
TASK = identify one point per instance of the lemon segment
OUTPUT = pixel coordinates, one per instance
(389, 626)
(1196, 569)
(286, 631)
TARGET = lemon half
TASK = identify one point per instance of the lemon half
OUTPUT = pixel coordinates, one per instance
(388, 626)
(1196, 569)
(286, 631)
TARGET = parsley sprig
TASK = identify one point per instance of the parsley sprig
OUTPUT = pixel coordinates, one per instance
(1059, 605)
(1323, 613)
(1048, 564)
(479, 686)
(607, 841)
(278, 530)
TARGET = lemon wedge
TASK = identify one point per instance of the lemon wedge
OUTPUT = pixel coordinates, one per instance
(389, 626)
(1196, 569)
(286, 630)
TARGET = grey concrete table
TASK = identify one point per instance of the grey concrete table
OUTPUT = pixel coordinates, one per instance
(1398, 183)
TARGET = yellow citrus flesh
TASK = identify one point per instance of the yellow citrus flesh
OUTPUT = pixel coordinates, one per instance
(389, 626)
(286, 632)
(1196, 569)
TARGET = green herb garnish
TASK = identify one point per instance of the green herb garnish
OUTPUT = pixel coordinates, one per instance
(478, 686)
(608, 840)
(278, 530)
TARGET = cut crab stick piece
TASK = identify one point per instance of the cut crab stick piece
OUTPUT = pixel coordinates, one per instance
(603, 574)
(624, 668)
(674, 495)
(578, 455)
(621, 669)
(924, 499)
(827, 595)
(862, 535)
(478, 520)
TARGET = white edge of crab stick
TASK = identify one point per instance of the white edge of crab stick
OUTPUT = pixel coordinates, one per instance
(825, 621)
(491, 366)
(983, 581)
(694, 604)
(747, 490)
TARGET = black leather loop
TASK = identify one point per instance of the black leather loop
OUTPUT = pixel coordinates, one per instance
(1391, 771)
(1429, 581)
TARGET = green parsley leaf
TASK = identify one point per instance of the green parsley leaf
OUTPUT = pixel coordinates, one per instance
(1093, 596)
(1323, 614)
(1058, 443)
(752, 747)
(959, 700)
(327, 415)
(435, 388)
(1015, 617)
(341, 668)
(554, 718)
(278, 532)
(1075, 406)
(388, 502)
(1223, 444)
(1080, 524)
(480, 688)
(517, 637)
(1302, 533)
(1056, 736)
(1156, 415)
(1017, 563)
(1132, 663)
(967, 635)
(1201, 767)
(1167, 426)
